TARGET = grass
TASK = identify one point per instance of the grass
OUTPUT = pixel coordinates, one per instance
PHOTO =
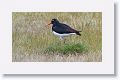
(69, 48)
(33, 41)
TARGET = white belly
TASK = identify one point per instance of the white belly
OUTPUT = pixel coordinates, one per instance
(62, 35)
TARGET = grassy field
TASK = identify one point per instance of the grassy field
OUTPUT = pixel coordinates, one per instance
(33, 41)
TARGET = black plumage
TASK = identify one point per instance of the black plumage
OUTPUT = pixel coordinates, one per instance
(62, 28)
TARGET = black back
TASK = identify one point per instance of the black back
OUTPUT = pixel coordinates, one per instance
(62, 28)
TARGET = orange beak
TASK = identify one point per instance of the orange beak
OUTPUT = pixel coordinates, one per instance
(48, 24)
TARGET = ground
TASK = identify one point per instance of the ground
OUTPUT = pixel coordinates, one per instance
(33, 41)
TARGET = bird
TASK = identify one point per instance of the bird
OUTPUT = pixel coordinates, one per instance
(62, 30)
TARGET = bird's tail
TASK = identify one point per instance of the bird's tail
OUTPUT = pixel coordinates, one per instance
(78, 33)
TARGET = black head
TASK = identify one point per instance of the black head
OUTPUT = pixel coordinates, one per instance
(54, 21)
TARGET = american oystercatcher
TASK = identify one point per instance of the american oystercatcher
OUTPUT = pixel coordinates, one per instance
(62, 30)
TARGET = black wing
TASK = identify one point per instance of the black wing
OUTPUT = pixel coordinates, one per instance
(68, 28)
(63, 28)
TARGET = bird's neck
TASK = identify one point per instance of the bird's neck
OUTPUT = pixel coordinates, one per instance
(56, 23)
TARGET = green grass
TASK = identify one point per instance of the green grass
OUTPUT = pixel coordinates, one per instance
(67, 48)
(31, 37)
